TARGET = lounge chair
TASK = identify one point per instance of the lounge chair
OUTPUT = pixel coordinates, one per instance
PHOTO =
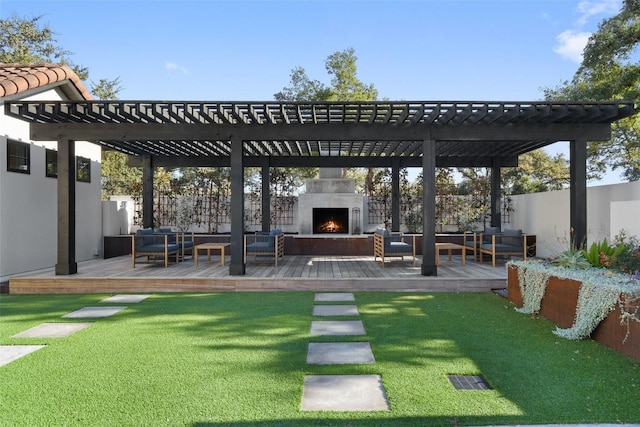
(154, 246)
(265, 244)
(386, 244)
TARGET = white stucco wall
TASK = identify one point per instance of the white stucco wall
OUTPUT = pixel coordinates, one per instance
(28, 204)
(610, 208)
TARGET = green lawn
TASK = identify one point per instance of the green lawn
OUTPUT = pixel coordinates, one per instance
(240, 359)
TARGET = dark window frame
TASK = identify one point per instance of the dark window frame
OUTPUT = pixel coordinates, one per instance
(51, 163)
(21, 161)
(83, 169)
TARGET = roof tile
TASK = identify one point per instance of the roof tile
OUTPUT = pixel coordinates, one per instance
(17, 78)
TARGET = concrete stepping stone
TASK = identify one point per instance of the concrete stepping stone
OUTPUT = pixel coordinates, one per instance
(9, 353)
(334, 296)
(335, 310)
(337, 327)
(52, 330)
(93, 312)
(126, 298)
(339, 353)
(344, 393)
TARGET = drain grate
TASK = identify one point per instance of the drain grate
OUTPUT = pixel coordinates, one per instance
(469, 382)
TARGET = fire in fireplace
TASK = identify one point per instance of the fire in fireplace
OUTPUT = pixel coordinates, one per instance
(330, 220)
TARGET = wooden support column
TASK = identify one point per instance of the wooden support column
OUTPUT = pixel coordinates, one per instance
(147, 192)
(395, 194)
(429, 267)
(237, 265)
(66, 208)
(496, 191)
(266, 195)
(578, 193)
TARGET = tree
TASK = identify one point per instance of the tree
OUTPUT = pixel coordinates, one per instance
(302, 88)
(25, 41)
(610, 70)
(537, 172)
(345, 86)
(117, 177)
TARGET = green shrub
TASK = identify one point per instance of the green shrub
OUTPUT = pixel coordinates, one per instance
(602, 254)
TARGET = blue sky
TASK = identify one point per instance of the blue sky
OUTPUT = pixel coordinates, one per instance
(445, 50)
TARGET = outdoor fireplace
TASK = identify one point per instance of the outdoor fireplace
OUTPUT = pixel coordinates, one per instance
(330, 220)
(326, 205)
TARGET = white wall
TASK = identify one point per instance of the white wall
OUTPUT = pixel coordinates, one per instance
(28, 204)
(610, 208)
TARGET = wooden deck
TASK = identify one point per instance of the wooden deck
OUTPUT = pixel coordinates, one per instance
(312, 273)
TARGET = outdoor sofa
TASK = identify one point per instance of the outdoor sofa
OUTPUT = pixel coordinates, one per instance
(265, 244)
(386, 244)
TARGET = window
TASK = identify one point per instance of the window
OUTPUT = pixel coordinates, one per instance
(18, 156)
(83, 169)
(52, 163)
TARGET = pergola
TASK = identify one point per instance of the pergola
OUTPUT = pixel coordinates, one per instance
(268, 134)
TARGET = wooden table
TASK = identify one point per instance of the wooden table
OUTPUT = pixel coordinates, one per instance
(208, 247)
(450, 247)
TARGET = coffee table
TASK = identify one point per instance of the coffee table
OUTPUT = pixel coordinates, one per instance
(449, 247)
(209, 247)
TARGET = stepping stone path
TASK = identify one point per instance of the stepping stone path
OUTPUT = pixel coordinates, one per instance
(340, 392)
(9, 353)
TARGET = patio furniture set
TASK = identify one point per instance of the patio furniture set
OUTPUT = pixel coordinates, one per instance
(491, 242)
(170, 246)
(167, 245)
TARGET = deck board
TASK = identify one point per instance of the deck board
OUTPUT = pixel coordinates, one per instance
(300, 272)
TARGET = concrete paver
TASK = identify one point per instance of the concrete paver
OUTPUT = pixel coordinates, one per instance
(335, 310)
(52, 330)
(334, 296)
(93, 312)
(9, 353)
(344, 393)
(126, 298)
(339, 353)
(337, 327)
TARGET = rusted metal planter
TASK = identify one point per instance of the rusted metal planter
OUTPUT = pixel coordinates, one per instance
(559, 305)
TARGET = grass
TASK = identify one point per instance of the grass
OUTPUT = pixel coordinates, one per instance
(240, 359)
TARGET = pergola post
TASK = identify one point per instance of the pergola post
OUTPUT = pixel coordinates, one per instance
(429, 267)
(147, 191)
(66, 208)
(266, 196)
(395, 194)
(496, 190)
(578, 192)
(237, 265)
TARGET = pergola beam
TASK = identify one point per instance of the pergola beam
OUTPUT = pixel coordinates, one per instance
(316, 132)
(317, 161)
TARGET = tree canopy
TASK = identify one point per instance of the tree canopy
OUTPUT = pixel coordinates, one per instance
(345, 85)
(610, 70)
